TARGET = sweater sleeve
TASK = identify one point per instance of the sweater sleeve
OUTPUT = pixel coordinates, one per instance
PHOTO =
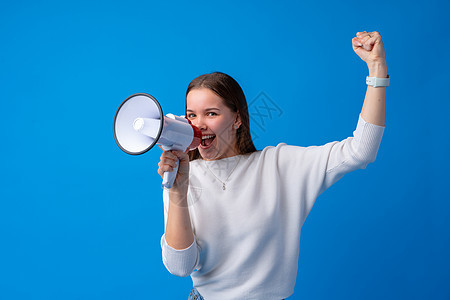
(352, 153)
(308, 171)
(178, 262)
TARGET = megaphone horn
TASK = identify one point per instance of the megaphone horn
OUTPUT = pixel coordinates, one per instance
(139, 124)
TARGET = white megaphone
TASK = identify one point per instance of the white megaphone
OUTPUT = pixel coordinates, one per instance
(139, 124)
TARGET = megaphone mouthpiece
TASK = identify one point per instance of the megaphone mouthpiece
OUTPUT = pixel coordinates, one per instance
(197, 139)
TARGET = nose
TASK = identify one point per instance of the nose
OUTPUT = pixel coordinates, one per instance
(199, 122)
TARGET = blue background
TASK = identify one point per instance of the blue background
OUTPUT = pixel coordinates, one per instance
(80, 219)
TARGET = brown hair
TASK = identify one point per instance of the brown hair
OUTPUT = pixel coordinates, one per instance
(233, 97)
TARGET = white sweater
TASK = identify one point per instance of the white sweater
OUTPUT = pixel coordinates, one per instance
(247, 237)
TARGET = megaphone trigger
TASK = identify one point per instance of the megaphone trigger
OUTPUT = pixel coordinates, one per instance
(169, 177)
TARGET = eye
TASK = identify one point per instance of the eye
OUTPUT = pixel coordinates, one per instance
(190, 115)
(212, 114)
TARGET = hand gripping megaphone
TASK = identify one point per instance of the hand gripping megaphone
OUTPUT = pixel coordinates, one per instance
(139, 124)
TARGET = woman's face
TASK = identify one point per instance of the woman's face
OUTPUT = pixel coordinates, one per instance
(206, 110)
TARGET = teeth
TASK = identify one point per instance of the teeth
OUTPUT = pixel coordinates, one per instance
(207, 136)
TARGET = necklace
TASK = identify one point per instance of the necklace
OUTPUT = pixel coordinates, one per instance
(223, 182)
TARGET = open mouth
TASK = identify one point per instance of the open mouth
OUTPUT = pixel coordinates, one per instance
(207, 140)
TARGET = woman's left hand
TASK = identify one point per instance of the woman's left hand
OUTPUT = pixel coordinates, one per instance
(369, 47)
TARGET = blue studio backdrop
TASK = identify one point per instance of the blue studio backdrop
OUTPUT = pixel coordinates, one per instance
(80, 219)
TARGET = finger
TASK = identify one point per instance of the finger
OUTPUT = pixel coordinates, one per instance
(367, 35)
(165, 168)
(161, 172)
(364, 38)
(367, 46)
(360, 51)
(371, 42)
(181, 155)
(169, 155)
(356, 42)
(361, 34)
(375, 36)
(169, 162)
(165, 162)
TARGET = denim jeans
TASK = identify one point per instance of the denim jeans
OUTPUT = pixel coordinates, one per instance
(195, 295)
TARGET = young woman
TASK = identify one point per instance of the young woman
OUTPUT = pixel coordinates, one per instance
(234, 215)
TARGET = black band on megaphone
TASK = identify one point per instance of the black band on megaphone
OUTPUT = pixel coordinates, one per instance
(131, 112)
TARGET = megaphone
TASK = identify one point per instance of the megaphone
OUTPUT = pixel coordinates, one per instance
(139, 124)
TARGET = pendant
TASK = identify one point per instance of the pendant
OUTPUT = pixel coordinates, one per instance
(223, 186)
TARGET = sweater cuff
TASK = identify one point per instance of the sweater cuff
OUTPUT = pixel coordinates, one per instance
(180, 262)
(368, 139)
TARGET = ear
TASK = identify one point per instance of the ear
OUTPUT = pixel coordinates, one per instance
(237, 121)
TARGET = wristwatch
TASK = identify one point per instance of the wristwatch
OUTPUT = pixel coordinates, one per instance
(376, 81)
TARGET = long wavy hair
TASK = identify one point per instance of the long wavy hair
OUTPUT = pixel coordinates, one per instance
(233, 97)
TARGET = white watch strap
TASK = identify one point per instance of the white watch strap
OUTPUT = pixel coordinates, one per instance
(376, 81)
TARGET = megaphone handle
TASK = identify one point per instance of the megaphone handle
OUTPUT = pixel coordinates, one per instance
(169, 177)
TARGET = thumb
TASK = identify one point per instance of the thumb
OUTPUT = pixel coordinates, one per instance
(361, 52)
(356, 43)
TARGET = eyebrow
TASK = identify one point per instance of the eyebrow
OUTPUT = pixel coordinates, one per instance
(206, 109)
